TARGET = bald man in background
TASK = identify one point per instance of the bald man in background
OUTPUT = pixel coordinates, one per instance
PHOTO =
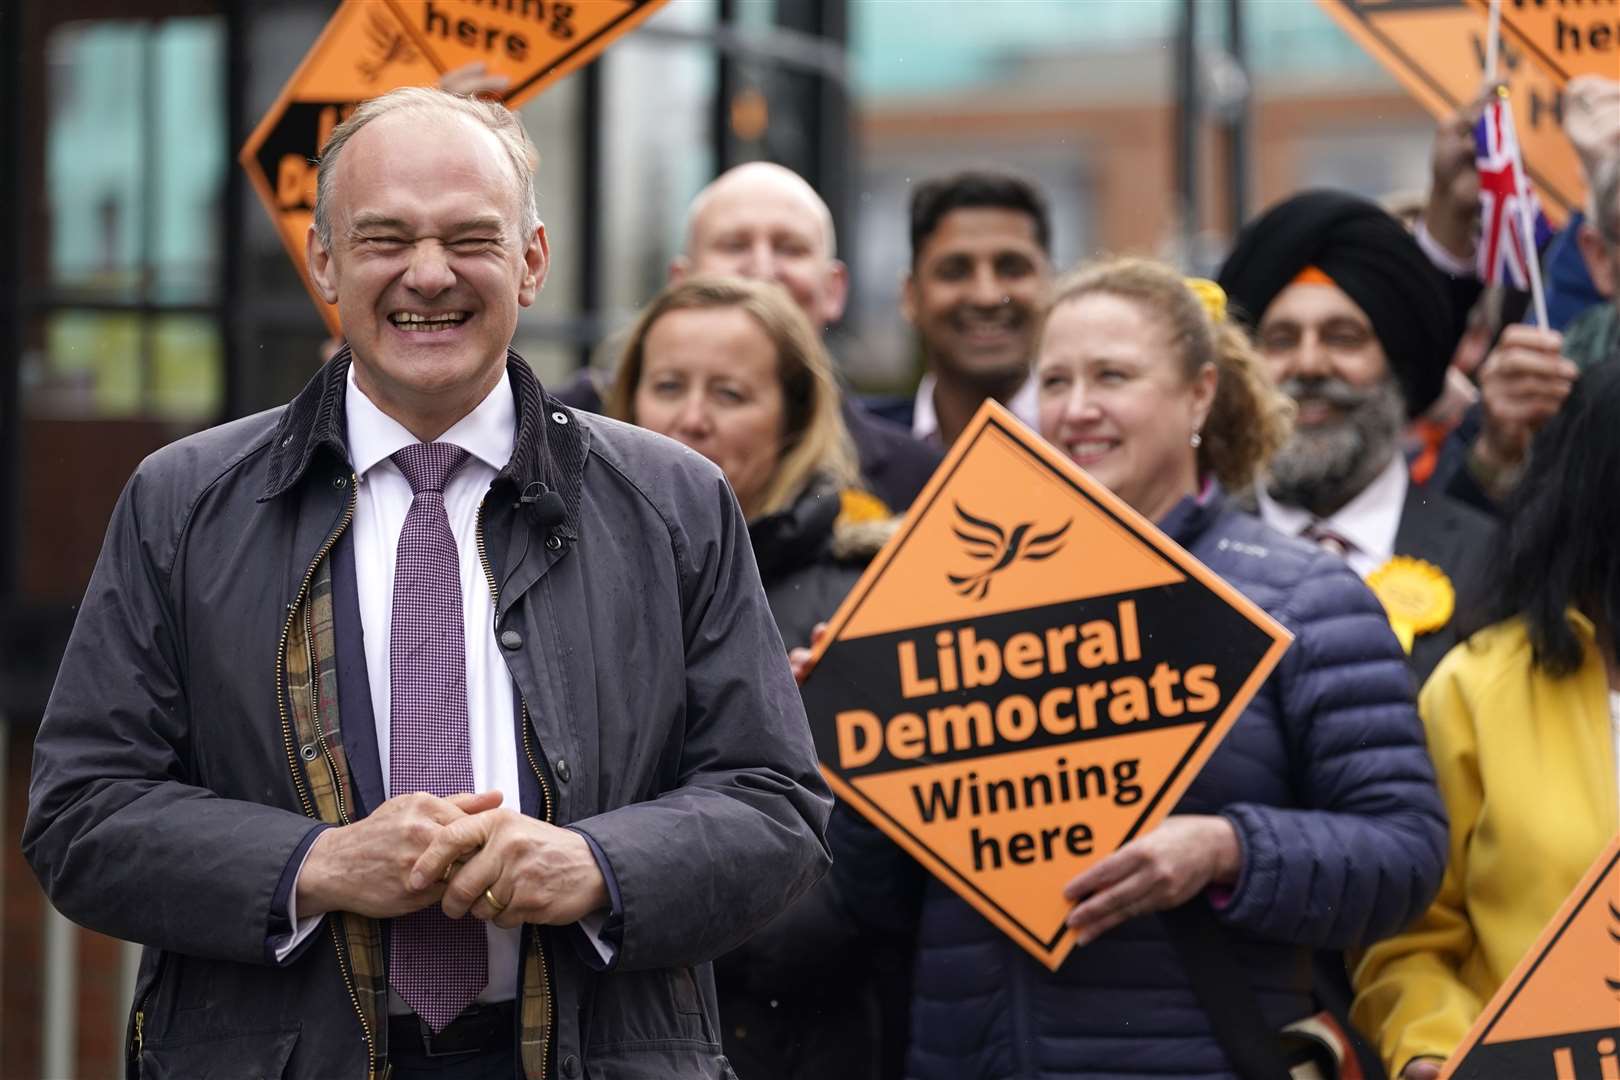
(766, 223)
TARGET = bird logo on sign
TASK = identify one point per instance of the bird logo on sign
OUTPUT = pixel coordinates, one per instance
(988, 542)
(1614, 933)
(389, 44)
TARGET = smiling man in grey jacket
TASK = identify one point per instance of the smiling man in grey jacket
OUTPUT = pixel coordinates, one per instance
(364, 834)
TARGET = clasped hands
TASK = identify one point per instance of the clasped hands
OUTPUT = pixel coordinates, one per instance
(464, 853)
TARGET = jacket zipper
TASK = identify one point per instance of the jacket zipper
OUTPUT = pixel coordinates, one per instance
(287, 743)
(138, 1041)
(546, 809)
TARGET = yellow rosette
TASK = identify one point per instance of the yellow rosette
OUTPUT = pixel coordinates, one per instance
(1417, 596)
(858, 507)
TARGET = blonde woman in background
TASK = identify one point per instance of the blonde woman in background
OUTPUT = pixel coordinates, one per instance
(733, 369)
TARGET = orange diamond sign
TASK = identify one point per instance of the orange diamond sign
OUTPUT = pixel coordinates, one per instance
(1567, 39)
(1028, 676)
(372, 46)
(1436, 50)
(1558, 1015)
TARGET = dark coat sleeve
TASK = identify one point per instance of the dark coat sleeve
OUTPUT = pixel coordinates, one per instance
(740, 834)
(1452, 474)
(876, 881)
(1364, 854)
(121, 835)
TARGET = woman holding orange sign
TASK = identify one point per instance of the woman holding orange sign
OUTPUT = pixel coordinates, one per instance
(1315, 825)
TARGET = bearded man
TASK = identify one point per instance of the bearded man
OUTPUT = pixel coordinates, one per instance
(1357, 327)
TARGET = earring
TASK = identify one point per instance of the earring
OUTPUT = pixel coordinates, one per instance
(1197, 440)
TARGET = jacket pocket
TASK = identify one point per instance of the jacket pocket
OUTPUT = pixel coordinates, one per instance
(681, 1062)
(261, 1055)
(636, 1009)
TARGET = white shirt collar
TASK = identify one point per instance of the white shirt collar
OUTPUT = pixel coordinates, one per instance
(488, 433)
(1025, 404)
(1369, 521)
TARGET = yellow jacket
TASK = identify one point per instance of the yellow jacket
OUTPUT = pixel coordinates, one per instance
(1526, 766)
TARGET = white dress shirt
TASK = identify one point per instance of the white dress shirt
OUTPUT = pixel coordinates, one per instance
(1025, 404)
(1439, 255)
(1368, 522)
(383, 498)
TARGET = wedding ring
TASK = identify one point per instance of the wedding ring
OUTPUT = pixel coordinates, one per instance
(494, 903)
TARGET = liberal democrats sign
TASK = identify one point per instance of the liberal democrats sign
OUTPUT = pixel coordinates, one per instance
(1028, 676)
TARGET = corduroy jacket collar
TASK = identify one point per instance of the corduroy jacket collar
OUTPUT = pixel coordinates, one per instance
(549, 452)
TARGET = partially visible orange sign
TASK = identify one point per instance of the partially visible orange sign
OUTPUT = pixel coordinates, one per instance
(1028, 676)
(1436, 50)
(1566, 39)
(372, 46)
(1558, 1015)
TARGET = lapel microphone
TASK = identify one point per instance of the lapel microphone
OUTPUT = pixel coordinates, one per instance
(547, 505)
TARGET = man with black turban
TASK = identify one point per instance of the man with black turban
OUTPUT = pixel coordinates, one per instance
(1357, 326)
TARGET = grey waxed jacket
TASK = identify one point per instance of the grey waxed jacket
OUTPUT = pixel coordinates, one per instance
(194, 739)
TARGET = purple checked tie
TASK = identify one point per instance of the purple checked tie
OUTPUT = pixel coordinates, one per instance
(439, 965)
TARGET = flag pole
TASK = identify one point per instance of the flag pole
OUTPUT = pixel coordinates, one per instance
(1527, 229)
(1493, 36)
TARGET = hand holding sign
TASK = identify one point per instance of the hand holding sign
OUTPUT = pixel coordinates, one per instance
(801, 660)
(475, 78)
(1163, 869)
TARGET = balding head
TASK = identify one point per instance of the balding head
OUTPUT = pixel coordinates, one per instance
(763, 222)
(426, 101)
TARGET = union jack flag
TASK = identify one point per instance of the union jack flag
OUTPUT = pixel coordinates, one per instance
(1501, 242)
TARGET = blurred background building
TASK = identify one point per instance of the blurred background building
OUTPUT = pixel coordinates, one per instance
(144, 294)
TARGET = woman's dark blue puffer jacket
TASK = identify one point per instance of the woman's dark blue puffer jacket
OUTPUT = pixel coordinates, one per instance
(1325, 778)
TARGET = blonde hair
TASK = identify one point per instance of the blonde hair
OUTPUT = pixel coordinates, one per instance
(497, 118)
(814, 439)
(1250, 418)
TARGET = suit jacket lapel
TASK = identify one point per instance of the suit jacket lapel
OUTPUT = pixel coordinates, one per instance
(354, 683)
(1452, 537)
(1426, 530)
